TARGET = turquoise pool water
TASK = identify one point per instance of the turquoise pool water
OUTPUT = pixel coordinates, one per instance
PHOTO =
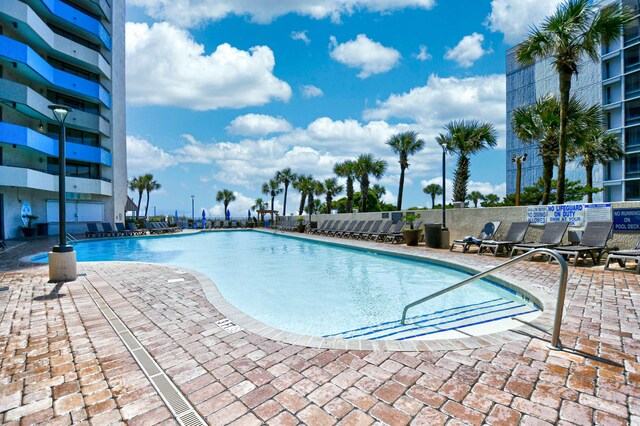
(312, 288)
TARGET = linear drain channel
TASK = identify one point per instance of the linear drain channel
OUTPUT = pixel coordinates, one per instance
(180, 407)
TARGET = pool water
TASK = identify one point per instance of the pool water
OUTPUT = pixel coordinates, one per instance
(316, 288)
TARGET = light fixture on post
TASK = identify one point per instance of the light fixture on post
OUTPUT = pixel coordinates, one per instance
(193, 211)
(519, 160)
(62, 258)
(445, 231)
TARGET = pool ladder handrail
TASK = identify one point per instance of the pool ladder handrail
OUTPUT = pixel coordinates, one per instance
(71, 239)
(562, 288)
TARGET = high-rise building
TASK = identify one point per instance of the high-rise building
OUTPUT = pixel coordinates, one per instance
(614, 83)
(68, 52)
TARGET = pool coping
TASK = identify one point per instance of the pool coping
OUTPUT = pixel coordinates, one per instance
(539, 294)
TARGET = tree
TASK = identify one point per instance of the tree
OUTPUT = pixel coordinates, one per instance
(433, 190)
(285, 177)
(150, 184)
(475, 196)
(575, 30)
(532, 195)
(346, 169)
(315, 188)
(136, 184)
(331, 189)
(404, 144)
(304, 184)
(271, 188)
(490, 200)
(259, 205)
(378, 191)
(367, 165)
(226, 197)
(598, 146)
(464, 138)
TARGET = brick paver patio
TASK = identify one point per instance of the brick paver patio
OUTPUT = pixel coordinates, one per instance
(61, 362)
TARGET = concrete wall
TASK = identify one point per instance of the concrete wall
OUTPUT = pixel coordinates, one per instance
(469, 221)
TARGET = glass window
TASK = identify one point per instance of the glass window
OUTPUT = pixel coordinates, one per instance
(632, 138)
(632, 85)
(74, 103)
(631, 32)
(632, 190)
(632, 166)
(632, 109)
(634, 5)
(632, 58)
(79, 72)
(74, 136)
(75, 169)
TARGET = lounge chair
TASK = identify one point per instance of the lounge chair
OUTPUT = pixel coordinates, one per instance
(382, 231)
(108, 231)
(364, 229)
(551, 237)
(593, 243)
(327, 224)
(488, 231)
(122, 230)
(132, 227)
(621, 257)
(349, 228)
(365, 234)
(356, 228)
(3, 245)
(92, 230)
(344, 225)
(395, 233)
(515, 235)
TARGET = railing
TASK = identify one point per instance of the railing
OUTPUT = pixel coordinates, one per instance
(71, 239)
(562, 288)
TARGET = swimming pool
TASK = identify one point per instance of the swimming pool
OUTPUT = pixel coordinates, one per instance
(319, 289)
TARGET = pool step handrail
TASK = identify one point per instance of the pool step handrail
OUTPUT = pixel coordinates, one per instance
(71, 239)
(562, 288)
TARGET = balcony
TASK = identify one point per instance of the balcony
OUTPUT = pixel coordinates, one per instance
(25, 137)
(24, 177)
(36, 67)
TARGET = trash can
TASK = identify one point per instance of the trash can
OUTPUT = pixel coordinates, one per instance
(432, 235)
(42, 228)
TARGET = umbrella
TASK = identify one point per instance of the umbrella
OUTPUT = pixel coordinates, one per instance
(249, 214)
(176, 217)
(228, 215)
(204, 214)
(204, 218)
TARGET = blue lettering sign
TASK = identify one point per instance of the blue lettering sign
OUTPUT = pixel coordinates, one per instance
(626, 220)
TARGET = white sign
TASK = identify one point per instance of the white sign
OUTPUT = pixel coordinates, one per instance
(572, 213)
(537, 215)
(600, 212)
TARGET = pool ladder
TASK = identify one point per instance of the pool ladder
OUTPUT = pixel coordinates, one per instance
(562, 288)
(71, 239)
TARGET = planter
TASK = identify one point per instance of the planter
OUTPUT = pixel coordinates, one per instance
(28, 232)
(301, 228)
(411, 236)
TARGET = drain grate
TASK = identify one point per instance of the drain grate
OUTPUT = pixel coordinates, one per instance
(182, 410)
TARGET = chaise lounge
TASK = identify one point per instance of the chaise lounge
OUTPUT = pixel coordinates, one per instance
(551, 237)
(487, 233)
(593, 243)
(515, 235)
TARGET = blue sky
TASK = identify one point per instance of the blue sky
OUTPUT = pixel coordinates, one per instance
(222, 93)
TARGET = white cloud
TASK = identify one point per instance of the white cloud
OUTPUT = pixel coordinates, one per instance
(485, 188)
(467, 51)
(444, 99)
(258, 125)
(144, 157)
(423, 55)
(515, 18)
(195, 12)
(310, 91)
(165, 66)
(369, 56)
(300, 35)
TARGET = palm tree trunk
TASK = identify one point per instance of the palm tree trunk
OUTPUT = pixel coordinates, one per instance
(589, 170)
(400, 188)
(310, 204)
(146, 208)
(272, 197)
(139, 201)
(565, 89)
(433, 201)
(284, 208)
(329, 199)
(303, 199)
(364, 192)
(226, 207)
(349, 194)
(547, 176)
(461, 177)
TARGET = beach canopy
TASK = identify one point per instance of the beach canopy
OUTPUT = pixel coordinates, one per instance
(204, 214)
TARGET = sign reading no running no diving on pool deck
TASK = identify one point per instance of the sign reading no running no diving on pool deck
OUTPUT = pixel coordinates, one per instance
(576, 214)
(626, 220)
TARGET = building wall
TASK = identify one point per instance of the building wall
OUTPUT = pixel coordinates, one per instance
(54, 52)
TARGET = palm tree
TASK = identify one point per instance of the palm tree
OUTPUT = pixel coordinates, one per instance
(574, 31)
(475, 196)
(316, 189)
(346, 169)
(285, 177)
(466, 137)
(226, 197)
(136, 184)
(599, 146)
(259, 205)
(150, 184)
(331, 189)
(379, 192)
(404, 144)
(304, 184)
(271, 188)
(366, 165)
(490, 200)
(433, 190)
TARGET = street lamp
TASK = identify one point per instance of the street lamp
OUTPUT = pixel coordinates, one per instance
(193, 211)
(62, 259)
(519, 160)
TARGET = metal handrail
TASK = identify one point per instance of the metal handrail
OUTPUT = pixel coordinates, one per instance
(71, 239)
(555, 337)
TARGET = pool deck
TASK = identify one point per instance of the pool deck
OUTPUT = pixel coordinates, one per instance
(62, 362)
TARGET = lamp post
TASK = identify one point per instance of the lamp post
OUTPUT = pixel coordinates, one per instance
(193, 211)
(519, 160)
(444, 185)
(62, 259)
